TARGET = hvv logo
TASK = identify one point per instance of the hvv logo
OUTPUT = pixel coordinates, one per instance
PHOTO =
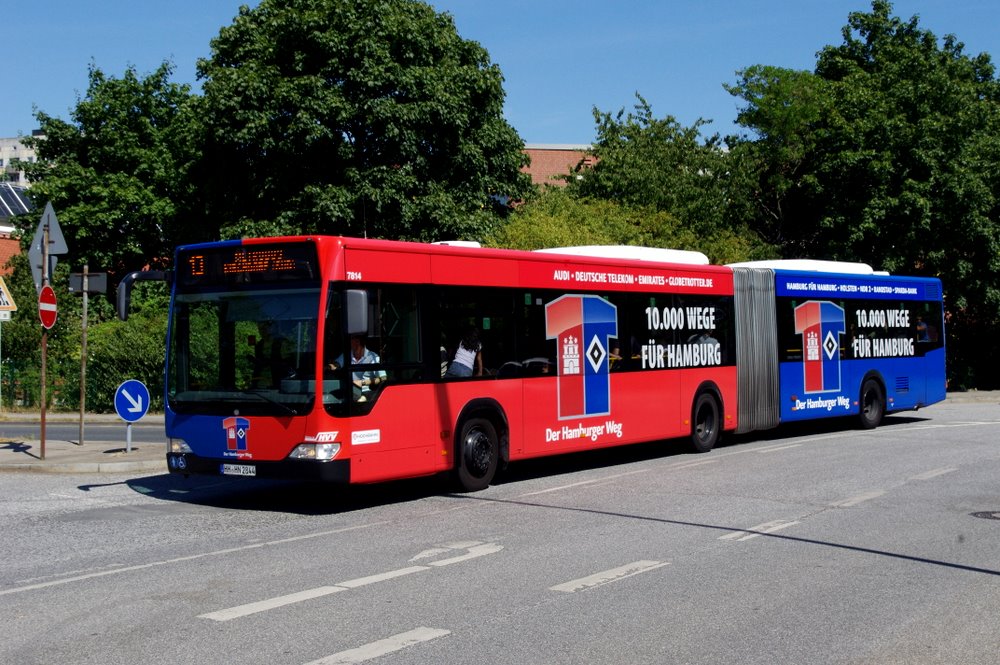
(582, 326)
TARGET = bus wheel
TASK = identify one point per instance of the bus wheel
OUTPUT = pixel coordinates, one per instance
(872, 404)
(478, 454)
(705, 423)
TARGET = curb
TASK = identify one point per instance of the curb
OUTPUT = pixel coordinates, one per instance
(85, 467)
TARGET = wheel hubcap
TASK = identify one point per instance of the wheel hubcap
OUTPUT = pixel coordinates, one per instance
(478, 451)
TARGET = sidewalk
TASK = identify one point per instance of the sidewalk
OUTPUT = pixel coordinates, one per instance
(93, 457)
(110, 456)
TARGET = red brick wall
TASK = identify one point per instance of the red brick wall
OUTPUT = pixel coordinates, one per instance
(547, 162)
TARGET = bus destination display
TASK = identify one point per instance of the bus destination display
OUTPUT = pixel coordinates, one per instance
(247, 263)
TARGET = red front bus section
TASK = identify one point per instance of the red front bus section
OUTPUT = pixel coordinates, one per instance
(620, 364)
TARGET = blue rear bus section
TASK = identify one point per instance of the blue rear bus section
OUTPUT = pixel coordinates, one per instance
(837, 331)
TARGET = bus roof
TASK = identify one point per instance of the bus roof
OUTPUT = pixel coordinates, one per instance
(846, 267)
(632, 252)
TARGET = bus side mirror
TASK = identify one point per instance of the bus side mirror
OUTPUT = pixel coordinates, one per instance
(356, 305)
(125, 288)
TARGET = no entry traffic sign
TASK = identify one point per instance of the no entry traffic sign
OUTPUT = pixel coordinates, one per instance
(47, 307)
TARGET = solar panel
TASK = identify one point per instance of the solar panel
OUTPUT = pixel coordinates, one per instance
(13, 200)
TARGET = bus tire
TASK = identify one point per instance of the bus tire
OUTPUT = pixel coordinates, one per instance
(478, 454)
(705, 422)
(872, 404)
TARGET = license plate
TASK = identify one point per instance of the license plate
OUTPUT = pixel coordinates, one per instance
(239, 470)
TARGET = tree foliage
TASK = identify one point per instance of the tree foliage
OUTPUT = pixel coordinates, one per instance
(367, 117)
(653, 182)
(558, 218)
(887, 154)
(643, 160)
(118, 174)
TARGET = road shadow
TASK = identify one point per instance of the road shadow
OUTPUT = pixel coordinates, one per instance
(18, 447)
(312, 498)
(283, 496)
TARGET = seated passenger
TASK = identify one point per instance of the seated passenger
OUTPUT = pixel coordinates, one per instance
(468, 360)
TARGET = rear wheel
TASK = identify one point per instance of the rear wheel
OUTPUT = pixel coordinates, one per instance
(872, 404)
(705, 423)
(478, 454)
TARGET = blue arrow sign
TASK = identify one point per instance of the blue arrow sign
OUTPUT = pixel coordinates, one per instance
(131, 400)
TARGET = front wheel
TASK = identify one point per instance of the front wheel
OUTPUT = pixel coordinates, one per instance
(872, 404)
(705, 423)
(478, 454)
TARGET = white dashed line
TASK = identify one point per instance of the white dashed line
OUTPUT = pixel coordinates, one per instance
(861, 498)
(759, 530)
(607, 576)
(934, 473)
(382, 647)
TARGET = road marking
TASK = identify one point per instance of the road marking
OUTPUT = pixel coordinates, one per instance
(607, 576)
(381, 577)
(774, 449)
(382, 647)
(934, 473)
(759, 530)
(861, 498)
(583, 482)
(270, 604)
(688, 465)
(185, 559)
(474, 549)
(474, 552)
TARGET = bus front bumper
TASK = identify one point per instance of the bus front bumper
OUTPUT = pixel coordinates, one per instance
(334, 471)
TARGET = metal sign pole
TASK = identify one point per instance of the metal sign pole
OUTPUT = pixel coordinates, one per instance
(83, 357)
(45, 335)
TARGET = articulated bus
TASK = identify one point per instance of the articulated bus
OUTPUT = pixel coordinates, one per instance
(581, 348)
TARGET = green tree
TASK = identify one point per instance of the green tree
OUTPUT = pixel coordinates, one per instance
(657, 163)
(118, 173)
(368, 117)
(891, 159)
(773, 171)
(557, 218)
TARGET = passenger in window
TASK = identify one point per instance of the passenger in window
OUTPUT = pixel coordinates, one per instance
(615, 358)
(468, 360)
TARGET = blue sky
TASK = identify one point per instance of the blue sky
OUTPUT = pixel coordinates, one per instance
(559, 59)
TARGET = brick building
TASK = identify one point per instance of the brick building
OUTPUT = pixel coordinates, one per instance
(550, 161)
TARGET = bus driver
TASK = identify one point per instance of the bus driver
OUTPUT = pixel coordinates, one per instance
(365, 379)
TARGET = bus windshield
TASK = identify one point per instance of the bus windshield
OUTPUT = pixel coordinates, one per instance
(243, 340)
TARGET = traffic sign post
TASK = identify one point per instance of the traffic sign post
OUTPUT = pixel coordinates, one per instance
(47, 243)
(131, 404)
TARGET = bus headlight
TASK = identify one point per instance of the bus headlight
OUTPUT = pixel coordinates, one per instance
(178, 446)
(315, 451)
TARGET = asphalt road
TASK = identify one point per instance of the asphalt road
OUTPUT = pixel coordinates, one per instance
(810, 545)
(104, 430)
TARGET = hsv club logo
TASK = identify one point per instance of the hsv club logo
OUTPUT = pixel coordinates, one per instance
(582, 326)
(236, 435)
(821, 324)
